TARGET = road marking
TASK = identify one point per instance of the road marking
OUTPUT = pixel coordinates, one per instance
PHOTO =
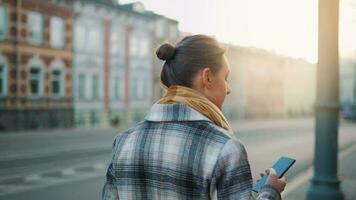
(33, 177)
(68, 172)
(302, 178)
(29, 182)
(100, 166)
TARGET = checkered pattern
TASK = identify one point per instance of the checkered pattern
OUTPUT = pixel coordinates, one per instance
(177, 153)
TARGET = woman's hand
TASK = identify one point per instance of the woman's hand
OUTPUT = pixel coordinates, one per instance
(273, 180)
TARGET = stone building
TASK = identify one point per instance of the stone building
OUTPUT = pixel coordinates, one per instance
(265, 84)
(35, 64)
(114, 62)
(166, 30)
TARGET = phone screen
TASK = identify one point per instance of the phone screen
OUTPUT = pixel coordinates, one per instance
(281, 167)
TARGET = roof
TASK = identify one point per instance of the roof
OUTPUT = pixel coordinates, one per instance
(139, 7)
(136, 8)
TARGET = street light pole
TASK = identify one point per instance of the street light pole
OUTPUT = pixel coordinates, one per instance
(354, 85)
(325, 184)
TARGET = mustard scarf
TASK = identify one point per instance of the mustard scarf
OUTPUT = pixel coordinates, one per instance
(192, 98)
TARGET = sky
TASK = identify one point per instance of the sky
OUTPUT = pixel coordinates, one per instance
(288, 27)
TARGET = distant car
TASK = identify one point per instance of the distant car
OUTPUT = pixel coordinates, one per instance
(349, 111)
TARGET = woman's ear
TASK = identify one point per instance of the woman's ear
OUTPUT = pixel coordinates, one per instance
(206, 76)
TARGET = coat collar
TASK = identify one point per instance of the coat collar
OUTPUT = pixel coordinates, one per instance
(174, 112)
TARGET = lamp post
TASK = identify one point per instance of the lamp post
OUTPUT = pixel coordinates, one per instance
(325, 184)
(354, 85)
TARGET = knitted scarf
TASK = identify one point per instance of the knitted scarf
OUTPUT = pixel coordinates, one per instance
(192, 98)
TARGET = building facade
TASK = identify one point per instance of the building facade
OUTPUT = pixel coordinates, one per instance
(265, 84)
(166, 30)
(35, 64)
(113, 62)
(347, 52)
(88, 63)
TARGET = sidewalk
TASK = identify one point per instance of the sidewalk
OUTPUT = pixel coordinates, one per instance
(51, 142)
(271, 123)
(347, 169)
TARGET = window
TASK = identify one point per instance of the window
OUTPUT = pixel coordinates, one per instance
(35, 28)
(115, 43)
(147, 89)
(160, 28)
(133, 46)
(94, 39)
(133, 87)
(144, 47)
(35, 82)
(95, 86)
(79, 37)
(3, 22)
(118, 89)
(57, 83)
(57, 32)
(81, 86)
(173, 32)
(3, 76)
(140, 89)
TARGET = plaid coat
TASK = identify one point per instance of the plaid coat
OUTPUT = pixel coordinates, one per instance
(177, 153)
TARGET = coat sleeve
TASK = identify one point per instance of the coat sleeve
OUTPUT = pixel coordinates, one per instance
(232, 175)
(110, 191)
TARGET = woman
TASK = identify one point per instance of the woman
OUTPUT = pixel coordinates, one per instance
(185, 148)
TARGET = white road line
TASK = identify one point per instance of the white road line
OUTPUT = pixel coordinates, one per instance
(68, 175)
(33, 177)
(68, 172)
(100, 166)
(302, 178)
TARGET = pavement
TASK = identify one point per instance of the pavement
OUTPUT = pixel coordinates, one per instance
(299, 184)
(297, 188)
(85, 141)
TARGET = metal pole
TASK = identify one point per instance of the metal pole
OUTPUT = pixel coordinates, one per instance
(354, 86)
(325, 184)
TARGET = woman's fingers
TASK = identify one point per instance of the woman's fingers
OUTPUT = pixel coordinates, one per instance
(274, 181)
(266, 173)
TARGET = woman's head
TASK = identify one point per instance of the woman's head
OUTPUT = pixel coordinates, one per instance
(197, 62)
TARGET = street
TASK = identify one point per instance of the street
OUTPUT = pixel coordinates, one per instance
(71, 164)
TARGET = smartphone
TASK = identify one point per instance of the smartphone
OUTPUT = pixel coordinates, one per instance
(281, 167)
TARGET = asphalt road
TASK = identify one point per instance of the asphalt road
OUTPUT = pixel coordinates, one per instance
(71, 164)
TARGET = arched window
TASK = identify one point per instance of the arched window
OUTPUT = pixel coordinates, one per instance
(3, 76)
(36, 67)
(57, 79)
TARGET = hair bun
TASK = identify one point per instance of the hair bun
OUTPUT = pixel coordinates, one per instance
(165, 51)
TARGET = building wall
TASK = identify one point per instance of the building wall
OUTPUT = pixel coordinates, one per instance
(23, 108)
(122, 60)
(111, 48)
(166, 30)
(300, 87)
(268, 85)
(88, 64)
(347, 81)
